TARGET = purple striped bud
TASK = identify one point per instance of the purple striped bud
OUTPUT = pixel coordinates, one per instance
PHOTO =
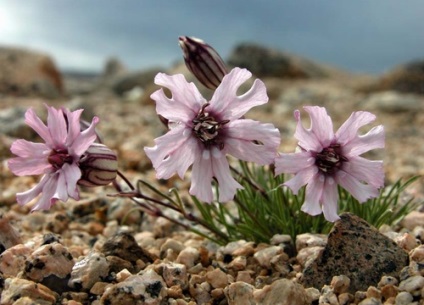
(203, 61)
(98, 166)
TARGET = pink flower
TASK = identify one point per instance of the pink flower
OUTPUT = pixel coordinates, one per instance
(327, 159)
(57, 158)
(203, 133)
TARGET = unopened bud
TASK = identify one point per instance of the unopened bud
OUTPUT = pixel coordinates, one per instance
(203, 61)
(98, 166)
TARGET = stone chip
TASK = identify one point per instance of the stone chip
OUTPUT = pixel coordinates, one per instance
(357, 250)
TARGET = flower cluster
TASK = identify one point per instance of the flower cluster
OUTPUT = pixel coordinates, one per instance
(327, 159)
(202, 134)
(59, 158)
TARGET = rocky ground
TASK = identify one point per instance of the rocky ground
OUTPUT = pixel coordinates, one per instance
(94, 252)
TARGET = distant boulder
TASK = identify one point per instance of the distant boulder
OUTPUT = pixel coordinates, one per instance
(268, 62)
(28, 73)
(129, 81)
(407, 78)
(114, 68)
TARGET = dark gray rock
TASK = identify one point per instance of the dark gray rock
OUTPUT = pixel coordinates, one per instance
(406, 78)
(124, 246)
(358, 251)
(140, 79)
(113, 68)
(268, 62)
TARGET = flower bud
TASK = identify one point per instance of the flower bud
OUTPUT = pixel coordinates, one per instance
(98, 166)
(203, 61)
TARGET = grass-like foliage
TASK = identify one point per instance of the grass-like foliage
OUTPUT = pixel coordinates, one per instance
(265, 208)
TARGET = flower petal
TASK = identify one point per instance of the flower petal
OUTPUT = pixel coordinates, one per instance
(29, 166)
(25, 149)
(57, 126)
(303, 177)
(314, 190)
(362, 192)
(74, 126)
(25, 197)
(32, 158)
(307, 138)
(225, 101)
(292, 163)
(240, 136)
(47, 198)
(83, 141)
(33, 121)
(185, 102)
(348, 131)
(368, 171)
(173, 153)
(361, 144)
(221, 171)
(61, 192)
(72, 174)
(321, 124)
(201, 178)
(329, 200)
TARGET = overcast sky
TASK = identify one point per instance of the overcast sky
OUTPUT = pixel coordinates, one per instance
(360, 36)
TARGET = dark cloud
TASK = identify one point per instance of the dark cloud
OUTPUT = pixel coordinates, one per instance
(362, 35)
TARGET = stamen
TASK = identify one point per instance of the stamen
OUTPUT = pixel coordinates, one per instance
(330, 159)
(207, 128)
(59, 157)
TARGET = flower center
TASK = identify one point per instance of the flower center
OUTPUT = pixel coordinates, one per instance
(58, 157)
(330, 159)
(207, 128)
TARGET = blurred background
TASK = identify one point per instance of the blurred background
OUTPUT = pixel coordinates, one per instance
(359, 36)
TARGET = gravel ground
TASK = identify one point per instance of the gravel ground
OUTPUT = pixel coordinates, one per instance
(90, 252)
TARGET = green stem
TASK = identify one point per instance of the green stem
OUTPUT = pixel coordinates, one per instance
(252, 216)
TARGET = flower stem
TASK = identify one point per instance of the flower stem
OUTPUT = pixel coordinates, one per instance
(251, 183)
(252, 216)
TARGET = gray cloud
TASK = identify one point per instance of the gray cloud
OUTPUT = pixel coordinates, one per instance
(363, 36)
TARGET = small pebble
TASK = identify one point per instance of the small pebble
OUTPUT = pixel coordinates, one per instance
(240, 293)
(345, 298)
(175, 274)
(340, 284)
(122, 275)
(16, 288)
(417, 254)
(373, 292)
(387, 280)
(188, 257)
(217, 278)
(50, 264)
(389, 291)
(412, 284)
(307, 240)
(370, 301)
(404, 298)
(313, 294)
(406, 241)
(263, 257)
(12, 261)
(91, 269)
